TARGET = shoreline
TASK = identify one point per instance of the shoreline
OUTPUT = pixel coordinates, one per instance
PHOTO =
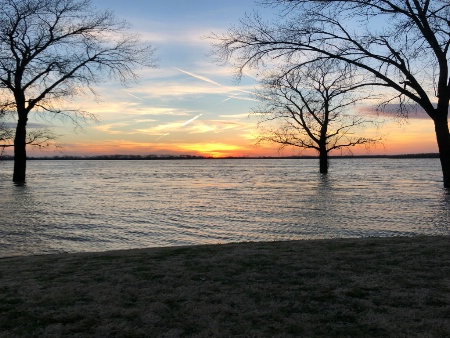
(126, 251)
(125, 157)
(393, 286)
(317, 241)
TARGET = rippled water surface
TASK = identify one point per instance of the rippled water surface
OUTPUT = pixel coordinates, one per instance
(70, 206)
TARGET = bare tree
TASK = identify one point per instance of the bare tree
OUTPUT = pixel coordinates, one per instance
(6, 136)
(53, 50)
(309, 108)
(36, 137)
(39, 138)
(400, 45)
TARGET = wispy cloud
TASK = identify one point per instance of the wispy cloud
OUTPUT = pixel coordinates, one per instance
(114, 128)
(200, 77)
(31, 125)
(412, 111)
(182, 125)
(171, 34)
(226, 88)
(162, 130)
(235, 116)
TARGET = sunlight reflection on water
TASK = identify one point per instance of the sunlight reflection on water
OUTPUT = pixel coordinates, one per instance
(70, 206)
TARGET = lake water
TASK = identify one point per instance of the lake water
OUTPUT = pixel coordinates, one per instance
(73, 206)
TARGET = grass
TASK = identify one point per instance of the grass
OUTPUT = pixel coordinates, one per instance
(397, 287)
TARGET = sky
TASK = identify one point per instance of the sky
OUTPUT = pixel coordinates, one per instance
(191, 105)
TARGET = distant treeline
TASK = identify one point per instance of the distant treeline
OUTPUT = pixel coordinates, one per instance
(194, 157)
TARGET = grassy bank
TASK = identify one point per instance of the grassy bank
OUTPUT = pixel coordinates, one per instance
(348, 287)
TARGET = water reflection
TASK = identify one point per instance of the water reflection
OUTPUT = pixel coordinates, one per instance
(20, 229)
(325, 183)
(443, 213)
(446, 191)
(125, 204)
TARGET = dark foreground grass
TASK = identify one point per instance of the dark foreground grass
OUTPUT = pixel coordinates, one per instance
(398, 287)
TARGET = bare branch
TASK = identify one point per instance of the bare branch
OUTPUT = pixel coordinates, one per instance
(400, 47)
(53, 50)
(307, 108)
(314, 30)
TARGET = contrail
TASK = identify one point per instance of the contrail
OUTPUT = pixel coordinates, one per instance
(182, 125)
(228, 98)
(192, 119)
(251, 76)
(203, 78)
(244, 98)
(162, 136)
(133, 95)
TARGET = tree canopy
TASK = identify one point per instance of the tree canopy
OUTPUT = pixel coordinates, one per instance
(401, 46)
(310, 108)
(54, 50)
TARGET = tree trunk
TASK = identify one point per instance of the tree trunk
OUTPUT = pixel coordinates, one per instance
(443, 141)
(323, 159)
(20, 153)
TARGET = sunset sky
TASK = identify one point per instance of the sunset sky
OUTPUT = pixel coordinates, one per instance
(189, 104)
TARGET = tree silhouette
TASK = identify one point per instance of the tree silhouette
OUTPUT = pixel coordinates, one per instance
(40, 138)
(53, 50)
(311, 109)
(400, 45)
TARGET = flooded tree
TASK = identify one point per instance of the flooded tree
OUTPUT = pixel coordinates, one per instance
(310, 108)
(40, 138)
(400, 45)
(5, 133)
(36, 137)
(54, 50)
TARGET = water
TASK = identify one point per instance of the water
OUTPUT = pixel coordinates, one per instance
(73, 206)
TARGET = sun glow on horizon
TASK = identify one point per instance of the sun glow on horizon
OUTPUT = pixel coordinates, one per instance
(212, 149)
(190, 105)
